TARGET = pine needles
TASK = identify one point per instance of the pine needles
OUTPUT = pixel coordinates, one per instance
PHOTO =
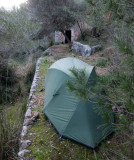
(78, 85)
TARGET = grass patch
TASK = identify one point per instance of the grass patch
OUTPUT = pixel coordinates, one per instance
(13, 101)
(102, 63)
(46, 145)
(57, 57)
(11, 119)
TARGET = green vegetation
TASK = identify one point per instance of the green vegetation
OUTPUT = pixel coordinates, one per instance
(13, 107)
(16, 56)
(111, 25)
(29, 75)
(102, 63)
(11, 119)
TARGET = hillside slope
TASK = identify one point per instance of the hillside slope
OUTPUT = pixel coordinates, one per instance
(45, 139)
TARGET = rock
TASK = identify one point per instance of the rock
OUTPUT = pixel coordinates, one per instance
(30, 96)
(58, 37)
(31, 121)
(33, 90)
(24, 131)
(43, 89)
(29, 107)
(85, 50)
(82, 49)
(28, 113)
(47, 52)
(22, 153)
(96, 48)
(25, 144)
(35, 116)
(28, 122)
(34, 106)
(32, 134)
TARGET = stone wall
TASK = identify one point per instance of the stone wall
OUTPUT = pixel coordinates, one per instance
(59, 38)
(75, 32)
(30, 117)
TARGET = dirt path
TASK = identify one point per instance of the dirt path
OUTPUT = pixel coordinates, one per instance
(60, 50)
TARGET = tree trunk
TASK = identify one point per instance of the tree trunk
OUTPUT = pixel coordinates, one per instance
(108, 17)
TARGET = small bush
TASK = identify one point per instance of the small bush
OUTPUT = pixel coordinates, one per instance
(124, 45)
(120, 80)
(46, 54)
(7, 82)
(29, 75)
(11, 120)
(85, 35)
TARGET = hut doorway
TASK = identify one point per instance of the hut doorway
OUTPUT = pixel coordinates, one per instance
(68, 33)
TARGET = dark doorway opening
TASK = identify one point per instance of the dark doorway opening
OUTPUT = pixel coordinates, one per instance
(68, 34)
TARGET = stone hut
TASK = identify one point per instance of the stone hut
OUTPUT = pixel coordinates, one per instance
(72, 33)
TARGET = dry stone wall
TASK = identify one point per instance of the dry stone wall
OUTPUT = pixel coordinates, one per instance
(30, 117)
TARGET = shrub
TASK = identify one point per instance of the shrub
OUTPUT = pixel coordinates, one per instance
(11, 120)
(124, 46)
(84, 36)
(29, 75)
(7, 81)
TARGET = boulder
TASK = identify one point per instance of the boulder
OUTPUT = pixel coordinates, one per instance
(24, 131)
(28, 113)
(28, 122)
(85, 50)
(24, 144)
(96, 48)
(82, 49)
(34, 106)
(35, 116)
(22, 153)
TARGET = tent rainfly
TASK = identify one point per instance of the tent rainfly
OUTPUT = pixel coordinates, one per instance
(73, 118)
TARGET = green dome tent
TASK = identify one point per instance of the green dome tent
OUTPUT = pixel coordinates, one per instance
(72, 117)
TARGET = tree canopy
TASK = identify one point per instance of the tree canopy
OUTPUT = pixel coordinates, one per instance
(54, 15)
